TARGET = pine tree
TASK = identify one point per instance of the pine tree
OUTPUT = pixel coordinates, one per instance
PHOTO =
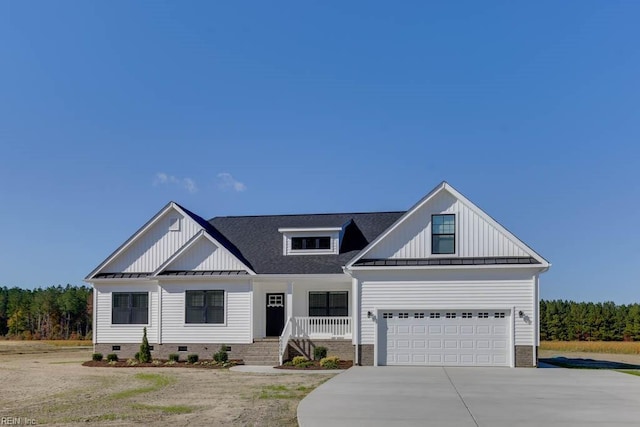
(145, 351)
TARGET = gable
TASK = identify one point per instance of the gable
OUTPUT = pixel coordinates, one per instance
(477, 235)
(203, 255)
(155, 244)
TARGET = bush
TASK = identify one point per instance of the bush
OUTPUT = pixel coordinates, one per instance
(137, 356)
(174, 357)
(145, 351)
(319, 353)
(112, 357)
(96, 357)
(221, 356)
(299, 360)
(192, 358)
(330, 362)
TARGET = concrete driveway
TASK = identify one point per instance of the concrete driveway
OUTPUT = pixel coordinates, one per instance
(405, 396)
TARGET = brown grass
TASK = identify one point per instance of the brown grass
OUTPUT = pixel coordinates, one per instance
(68, 343)
(610, 347)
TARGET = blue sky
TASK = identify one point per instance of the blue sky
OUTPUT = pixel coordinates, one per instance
(109, 110)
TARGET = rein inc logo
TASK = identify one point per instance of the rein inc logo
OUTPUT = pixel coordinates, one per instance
(17, 421)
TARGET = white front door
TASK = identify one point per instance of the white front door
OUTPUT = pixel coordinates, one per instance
(444, 337)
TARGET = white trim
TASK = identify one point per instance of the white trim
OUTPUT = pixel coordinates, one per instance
(449, 267)
(444, 186)
(309, 229)
(159, 337)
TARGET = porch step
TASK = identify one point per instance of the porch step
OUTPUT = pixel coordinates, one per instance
(263, 352)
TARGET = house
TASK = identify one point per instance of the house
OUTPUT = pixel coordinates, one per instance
(440, 284)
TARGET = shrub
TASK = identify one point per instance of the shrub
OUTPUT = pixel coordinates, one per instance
(174, 357)
(132, 362)
(298, 360)
(145, 351)
(137, 356)
(330, 362)
(112, 357)
(221, 356)
(192, 358)
(96, 357)
(319, 353)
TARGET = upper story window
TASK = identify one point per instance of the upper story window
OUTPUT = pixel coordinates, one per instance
(443, 234)
(310, 243)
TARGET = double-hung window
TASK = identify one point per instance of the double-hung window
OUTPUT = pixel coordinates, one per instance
(204, 307)
(130, 308)
(443, 234)
(323, 304)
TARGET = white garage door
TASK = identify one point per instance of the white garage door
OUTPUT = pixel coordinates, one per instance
(444, 337)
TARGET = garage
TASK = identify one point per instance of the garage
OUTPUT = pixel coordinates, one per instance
(444, 337)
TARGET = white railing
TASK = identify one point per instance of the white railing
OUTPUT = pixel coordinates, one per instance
(284, 340)
(321, 327)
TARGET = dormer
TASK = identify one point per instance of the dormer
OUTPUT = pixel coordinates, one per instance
(312, 240)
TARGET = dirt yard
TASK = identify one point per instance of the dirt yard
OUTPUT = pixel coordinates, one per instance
(48, 385)
(631, 359)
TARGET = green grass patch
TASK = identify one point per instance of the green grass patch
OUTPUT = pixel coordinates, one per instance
(170, 409)
(284, 392)
(157, 381)
(630, 371)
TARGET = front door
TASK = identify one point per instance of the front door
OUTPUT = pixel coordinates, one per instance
(275, 314)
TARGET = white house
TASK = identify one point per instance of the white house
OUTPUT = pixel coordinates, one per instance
(440, 284)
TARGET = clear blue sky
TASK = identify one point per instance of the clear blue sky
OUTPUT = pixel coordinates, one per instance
(531, 109)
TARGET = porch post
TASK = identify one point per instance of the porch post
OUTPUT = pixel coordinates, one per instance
(289, 302)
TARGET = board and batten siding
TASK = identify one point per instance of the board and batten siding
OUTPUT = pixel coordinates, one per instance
(475, 237)
(121, 334)
(238, 319)
(155, 245)
(453, 294)
(205, 255)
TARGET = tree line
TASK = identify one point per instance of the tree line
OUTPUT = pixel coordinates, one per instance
(587, 321)
(55, 312)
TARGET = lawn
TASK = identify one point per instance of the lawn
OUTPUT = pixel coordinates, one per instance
(608, 347)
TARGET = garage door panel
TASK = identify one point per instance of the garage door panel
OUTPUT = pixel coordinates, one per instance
(446, 338)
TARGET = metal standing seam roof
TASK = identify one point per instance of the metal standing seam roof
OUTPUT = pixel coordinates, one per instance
(445, 261)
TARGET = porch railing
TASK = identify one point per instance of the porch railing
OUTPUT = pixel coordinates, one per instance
(321, 327)
(284, 340)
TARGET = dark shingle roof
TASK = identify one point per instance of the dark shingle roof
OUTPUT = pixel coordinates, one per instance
(258, 241)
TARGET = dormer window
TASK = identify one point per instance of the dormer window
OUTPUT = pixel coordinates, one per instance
(310, 243)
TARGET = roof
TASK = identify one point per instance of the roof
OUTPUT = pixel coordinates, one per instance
(445, 261)
(259, 242)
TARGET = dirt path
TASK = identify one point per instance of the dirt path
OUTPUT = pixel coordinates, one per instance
(52, 387)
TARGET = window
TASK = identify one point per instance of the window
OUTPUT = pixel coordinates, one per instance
(483, 315)
(418, 315)
(466, 315)
(387, 315)
(310, 243)
(443, 234)
(434, 315)
(329, 303)
(450, 315)
(204, 307)
(130, 308)
(403, 315)
(499, 315)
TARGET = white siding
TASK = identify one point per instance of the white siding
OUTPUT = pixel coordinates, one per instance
(154, 246)
(475, 237)
(237, 327)
(487, 290)
(204, 255)
(120, 334)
